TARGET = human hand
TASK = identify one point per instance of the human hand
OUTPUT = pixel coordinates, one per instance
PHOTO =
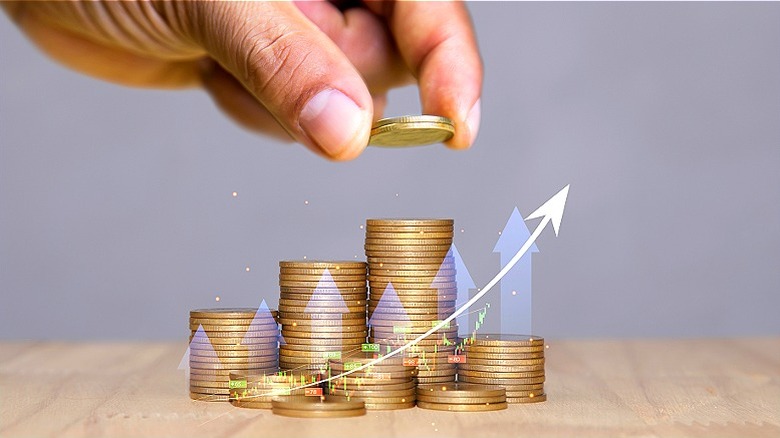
(304, 70)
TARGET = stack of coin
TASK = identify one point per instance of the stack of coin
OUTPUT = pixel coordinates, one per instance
(461, 397)
(256, 391)
(225, 340)
(387, 385)
(411, 131)
(322, 310)
(411, 288)
(327, 406)
(514, 362)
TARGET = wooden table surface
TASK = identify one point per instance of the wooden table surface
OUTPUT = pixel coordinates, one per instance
(664, 388)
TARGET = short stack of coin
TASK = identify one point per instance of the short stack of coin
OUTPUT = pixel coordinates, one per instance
(256, 391)
(410, 266)
(224, 340)
(514, 362)
(461, 397)
(327, 406)
(322, 311)
(387, 385)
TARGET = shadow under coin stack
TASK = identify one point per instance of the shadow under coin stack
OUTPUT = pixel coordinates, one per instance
(515, 362)
(322, 311)
(388, 385)
(411, 288)
(229, 340)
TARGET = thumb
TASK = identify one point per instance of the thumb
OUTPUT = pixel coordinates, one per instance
(302, 78)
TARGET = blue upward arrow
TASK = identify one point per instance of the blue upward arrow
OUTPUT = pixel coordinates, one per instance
(515, 300)
(203, 347)
(262, 317)
(324, 291)
(385, 307)
(465, 284)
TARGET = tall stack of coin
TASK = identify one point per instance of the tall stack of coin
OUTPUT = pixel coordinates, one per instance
(411, 288)
(225, 340)
(461, 397)
(322, 310)
(515, 362)
(387, 385)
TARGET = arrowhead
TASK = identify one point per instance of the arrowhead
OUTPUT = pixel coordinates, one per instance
(462, 275)
(552, 209)
(514, 235)
(325, 287)
(387, 304)
(263, 316)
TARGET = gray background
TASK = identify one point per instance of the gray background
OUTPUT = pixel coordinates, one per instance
(116, 214)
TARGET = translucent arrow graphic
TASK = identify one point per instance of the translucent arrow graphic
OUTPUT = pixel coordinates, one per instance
(551, 212)
(515, 299)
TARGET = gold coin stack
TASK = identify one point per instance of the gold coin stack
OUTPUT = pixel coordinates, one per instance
(411, 288)
(514, 362)
(461, 397)
(322, 310)
(327, 406)
(225, 340)
(388, 385)
(256, 391)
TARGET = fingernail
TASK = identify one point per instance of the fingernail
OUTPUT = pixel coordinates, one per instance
(472, 120)
(332, 121)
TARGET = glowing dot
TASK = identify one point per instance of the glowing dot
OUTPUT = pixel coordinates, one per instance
(531, 395)
(295, 324)
(396, 195)
(462, 230)
(247, 269)
(235, 194)
(356, 256)
(304, 257)
(547, 346)
(514, 292)
(499, 233)
(361, 227)
(217, 298)
(306, 202)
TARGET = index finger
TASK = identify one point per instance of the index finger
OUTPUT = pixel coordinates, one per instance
(437, 42)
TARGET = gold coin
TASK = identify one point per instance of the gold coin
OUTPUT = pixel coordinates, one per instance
(517, 394)
(442, 233)
(409, 222)
(320, 304)
(325, 291)
(207, 346)
(411, 131)
(320, 271)
(412, 229)
(502, 340)
(342, 386)
(321, 316)
(313, 284)
(228, 321)
(362, 393)
(322, 310)
(208, 397)
(397, 248)
(323, 329)
(295, 343)
(234, 328)
(211, 391)
(501, 368)
(205, 367)
(499, 381)
(503, 356)
(504, 362)
(322, 264)
(462, 400)
(462, 408)
(232, 360)
(424, 373)
(502, 350)
(305, 298)
(458, 390)
(425, 282)
(420, 241)
(325, 403)
(337, 280)
(227, 313)
(535, 399)
(327, 335)
(428, 380)
(395, 274)
(425, 286)
(501, 375)
(234, 342)
(299, 322)
(319, 348)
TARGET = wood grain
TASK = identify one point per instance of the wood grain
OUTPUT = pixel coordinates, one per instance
(648, 388)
